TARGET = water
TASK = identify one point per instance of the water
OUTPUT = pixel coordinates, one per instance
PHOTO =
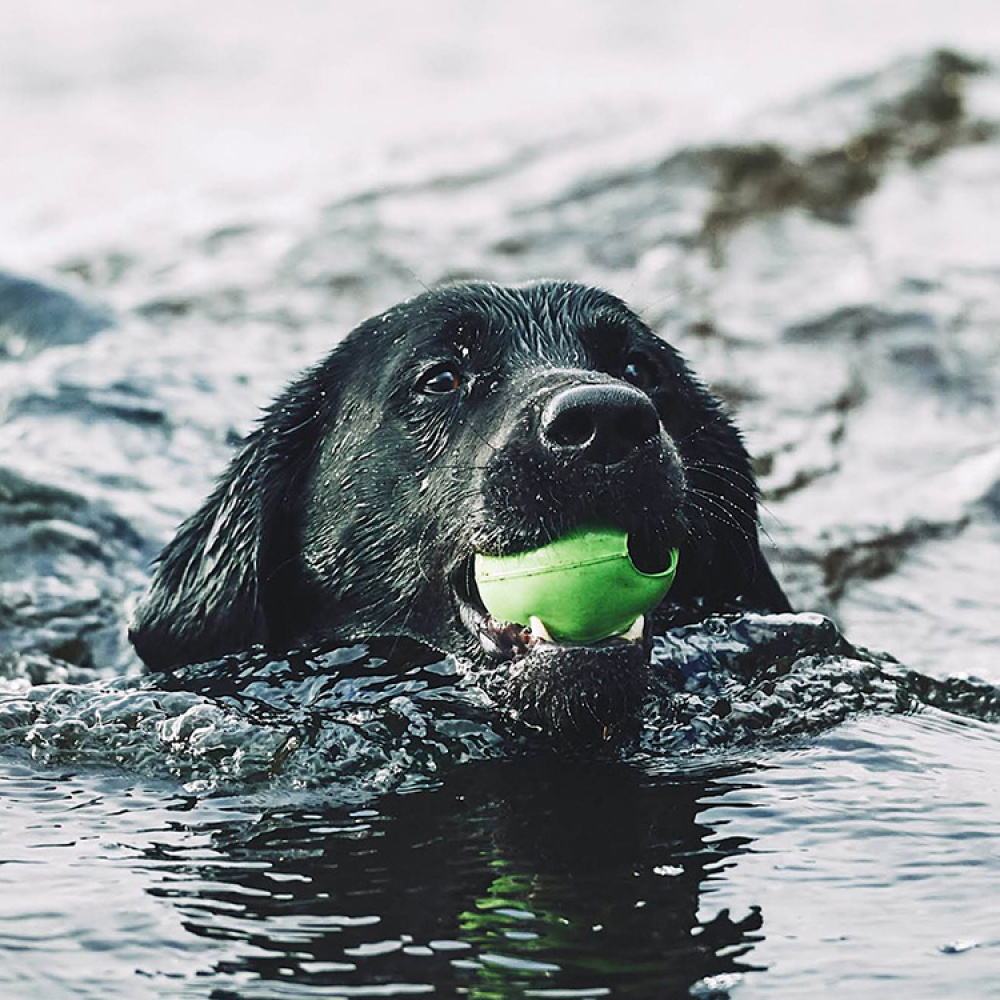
(850, 861)
(801, 198)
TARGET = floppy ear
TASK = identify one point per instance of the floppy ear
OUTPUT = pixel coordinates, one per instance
(721, 561)
(764, 592)
(722, 510)
(218, 585)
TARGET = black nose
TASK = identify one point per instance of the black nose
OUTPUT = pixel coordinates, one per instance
(602, 424)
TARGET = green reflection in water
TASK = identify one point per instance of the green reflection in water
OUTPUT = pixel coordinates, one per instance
(517, 941)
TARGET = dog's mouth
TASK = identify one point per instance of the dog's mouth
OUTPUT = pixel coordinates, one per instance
(578, 693)
(578, 669)
(503, 640)
(647, 556)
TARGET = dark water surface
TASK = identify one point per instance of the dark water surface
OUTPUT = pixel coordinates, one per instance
(858, 861)
(803, 199)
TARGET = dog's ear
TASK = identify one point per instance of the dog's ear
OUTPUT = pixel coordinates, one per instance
(721, 561)
(764, 593)
(218, 585)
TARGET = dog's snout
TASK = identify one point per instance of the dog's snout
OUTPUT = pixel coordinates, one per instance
(602, 424)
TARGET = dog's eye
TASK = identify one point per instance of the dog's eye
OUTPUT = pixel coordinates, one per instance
(640, 372)
(440, 380)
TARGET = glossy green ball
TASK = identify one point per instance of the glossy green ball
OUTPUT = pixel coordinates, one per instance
(584, 587)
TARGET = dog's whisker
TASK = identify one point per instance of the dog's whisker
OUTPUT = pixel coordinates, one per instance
(738, 511)
(726, 517)
(729, 475)
(722, 478)
(730, 512)
(725, 471)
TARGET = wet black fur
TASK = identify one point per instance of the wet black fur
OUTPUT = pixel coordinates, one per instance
(359, 498)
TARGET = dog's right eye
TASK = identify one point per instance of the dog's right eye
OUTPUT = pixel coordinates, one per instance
(640, 372)
(440, 380)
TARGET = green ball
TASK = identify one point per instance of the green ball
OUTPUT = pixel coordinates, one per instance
(584, 587)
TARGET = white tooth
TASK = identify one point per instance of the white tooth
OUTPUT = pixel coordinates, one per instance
(538, 628)
(634, 634)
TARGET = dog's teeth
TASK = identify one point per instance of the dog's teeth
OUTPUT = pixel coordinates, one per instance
(634, 634)
(538, 629)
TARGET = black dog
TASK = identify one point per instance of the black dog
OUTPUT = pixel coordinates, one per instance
(471, 419)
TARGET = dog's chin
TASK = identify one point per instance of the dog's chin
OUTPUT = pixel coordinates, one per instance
(584, 694)
(580, 695)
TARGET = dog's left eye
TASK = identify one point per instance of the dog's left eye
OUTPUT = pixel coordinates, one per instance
(640, 372)
(440, 380)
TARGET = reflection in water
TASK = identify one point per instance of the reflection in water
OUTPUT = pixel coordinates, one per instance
(531, 877)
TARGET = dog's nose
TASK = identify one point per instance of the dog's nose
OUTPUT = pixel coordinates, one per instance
(602, 424)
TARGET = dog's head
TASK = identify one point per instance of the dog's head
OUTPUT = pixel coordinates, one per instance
(472, 419)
